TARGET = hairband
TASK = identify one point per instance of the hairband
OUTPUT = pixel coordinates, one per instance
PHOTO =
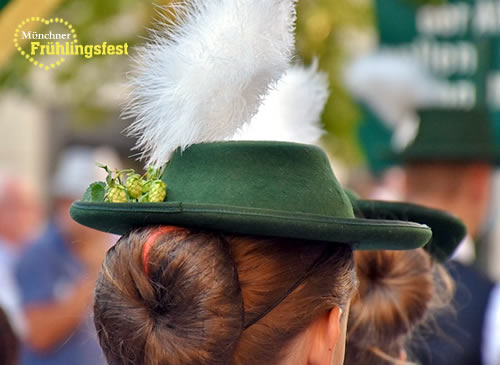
(150, 242)
(325, 255)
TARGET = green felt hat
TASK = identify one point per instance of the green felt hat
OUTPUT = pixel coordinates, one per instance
(447, 231)
(453, 135)
(255, 188)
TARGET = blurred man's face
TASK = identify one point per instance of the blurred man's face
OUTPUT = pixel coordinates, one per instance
(463, 189)
(20, 212)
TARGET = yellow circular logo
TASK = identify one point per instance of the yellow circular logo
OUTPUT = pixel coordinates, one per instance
(55, 43)
(47, 49)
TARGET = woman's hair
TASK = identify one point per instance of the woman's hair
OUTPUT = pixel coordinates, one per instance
(203, 289)
(9, 343)
(397, 291)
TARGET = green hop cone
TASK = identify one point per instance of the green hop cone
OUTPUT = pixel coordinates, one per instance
(117, 194)
(146, 185)
(134, 186)
(157, 191)
(144, 198)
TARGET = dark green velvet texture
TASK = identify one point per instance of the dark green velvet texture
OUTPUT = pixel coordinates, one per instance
(447, 231)
(255, 188)
(453, 135)
(285, 177)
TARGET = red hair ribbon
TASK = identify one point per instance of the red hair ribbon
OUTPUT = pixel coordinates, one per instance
(151, 240)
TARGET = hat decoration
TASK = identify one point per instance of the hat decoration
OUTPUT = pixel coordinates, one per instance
(178, 100)
(146, 188)
(291, 111)
(202, 78)
(393, 86)
(194, 87)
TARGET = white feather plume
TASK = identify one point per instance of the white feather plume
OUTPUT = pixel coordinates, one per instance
(203, 78)
(394, 86)
(292, 110)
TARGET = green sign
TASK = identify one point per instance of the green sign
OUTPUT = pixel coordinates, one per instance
(458, 42)
(454, 40)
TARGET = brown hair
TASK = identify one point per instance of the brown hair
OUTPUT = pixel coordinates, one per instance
(9, 343)
(397, 291)
(202, 290)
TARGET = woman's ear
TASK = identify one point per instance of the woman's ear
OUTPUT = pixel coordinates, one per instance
(326, 332)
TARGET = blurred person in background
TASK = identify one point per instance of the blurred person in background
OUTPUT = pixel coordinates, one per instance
(448, 157)
(20, 219)
(20, 216)
(56, 275)
(449, 165)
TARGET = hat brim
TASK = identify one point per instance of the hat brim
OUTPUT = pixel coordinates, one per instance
(360, 233)
(447, 231)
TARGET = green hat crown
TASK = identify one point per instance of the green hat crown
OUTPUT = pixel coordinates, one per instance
(257, 175)
(453, 135)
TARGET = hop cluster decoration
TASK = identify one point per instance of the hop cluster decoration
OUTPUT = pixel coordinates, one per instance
(134, 186)
(148, 188)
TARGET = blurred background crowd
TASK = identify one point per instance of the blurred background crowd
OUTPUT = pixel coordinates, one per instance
(395, 68)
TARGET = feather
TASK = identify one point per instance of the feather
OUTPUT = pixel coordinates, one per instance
(393, 86)
(202, 79)
(292, 110)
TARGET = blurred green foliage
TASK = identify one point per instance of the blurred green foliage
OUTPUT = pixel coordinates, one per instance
(322, 27)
